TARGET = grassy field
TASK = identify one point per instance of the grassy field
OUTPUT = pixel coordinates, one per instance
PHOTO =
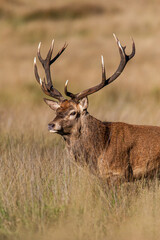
(43, 193)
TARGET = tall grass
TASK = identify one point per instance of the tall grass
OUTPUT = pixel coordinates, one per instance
(44, 195)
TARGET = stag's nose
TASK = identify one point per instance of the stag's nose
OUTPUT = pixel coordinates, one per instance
(51, 126)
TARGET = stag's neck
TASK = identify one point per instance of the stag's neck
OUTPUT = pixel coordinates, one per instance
(93, 131)
(88, 141)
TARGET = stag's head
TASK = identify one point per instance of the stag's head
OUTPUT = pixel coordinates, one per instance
(69, 113)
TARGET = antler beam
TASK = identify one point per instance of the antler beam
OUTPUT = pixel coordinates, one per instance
(124, 59)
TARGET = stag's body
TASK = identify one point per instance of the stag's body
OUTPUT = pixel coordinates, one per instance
(116, 150)
(112, 150)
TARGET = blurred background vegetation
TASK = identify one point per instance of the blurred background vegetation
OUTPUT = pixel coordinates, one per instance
(87, 26)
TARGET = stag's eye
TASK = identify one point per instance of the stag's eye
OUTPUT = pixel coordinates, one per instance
(73, 113)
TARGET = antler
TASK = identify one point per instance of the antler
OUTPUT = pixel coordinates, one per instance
(48, 87)
(124, 59)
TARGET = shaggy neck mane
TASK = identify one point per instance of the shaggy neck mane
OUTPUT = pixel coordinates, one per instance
(88, 141)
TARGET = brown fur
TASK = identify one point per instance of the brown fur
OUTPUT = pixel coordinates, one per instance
(112, 150)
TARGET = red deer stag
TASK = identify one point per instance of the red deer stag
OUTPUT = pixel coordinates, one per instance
(114, 150)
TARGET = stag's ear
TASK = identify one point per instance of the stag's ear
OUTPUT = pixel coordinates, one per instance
(52, 104)
(83, 103)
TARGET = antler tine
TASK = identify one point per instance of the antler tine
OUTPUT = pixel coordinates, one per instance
(69, 94)
(48, 87)
(103, 70)
(59, 53)
(124, 59)
(49, 55)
